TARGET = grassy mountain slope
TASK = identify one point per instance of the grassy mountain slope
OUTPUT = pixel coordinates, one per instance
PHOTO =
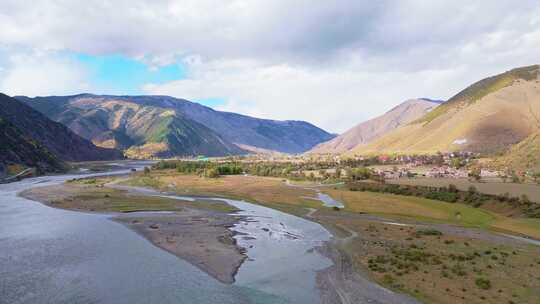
(487, 117)
(248, 132)
(57, 138)
(142, 130)
(18, 150)
(372, 129)
(524, 155)
(89, 116)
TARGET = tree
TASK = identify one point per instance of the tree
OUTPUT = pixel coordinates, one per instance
(503, 176)
(476, 174)
(211, 173)
(536, 177)
(338, 172)
(360, 173)
(455, 162)
(515, 178)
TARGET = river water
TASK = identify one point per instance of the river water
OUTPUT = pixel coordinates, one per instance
(50, 255)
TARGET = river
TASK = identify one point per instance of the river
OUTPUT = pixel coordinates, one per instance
(49, 255)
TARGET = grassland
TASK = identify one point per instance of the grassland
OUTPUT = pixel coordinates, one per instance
(449, 265)
(275, 193)
(271, 192)
(426, 210)
(441, 267)
(92, 195)
(398, 206)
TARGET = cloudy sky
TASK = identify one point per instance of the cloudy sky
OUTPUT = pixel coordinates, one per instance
(333, 63)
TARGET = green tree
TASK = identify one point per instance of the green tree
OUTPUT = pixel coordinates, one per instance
(476, 174)
(536, 177)
(456, 163)
(211, 173)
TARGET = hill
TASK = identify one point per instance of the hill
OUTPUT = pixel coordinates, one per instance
(143, 131)
(372, 129)
(18, 151)
(524, 155)
(487, 117)
(114, 121)
(57, 138)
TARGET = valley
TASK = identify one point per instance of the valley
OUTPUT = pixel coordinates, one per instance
(403, 243)
(269, 152)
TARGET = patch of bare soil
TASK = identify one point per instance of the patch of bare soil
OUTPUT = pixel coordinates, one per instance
(200, 237)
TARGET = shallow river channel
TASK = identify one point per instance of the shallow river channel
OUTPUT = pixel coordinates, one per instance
(50, 255)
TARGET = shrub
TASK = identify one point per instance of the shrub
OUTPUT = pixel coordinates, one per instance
(211, 173)
(428, 232)
(388, 279)
(483, 283)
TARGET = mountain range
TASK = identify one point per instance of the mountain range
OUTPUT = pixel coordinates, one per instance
(499, 115)
(489, 117)
(372, 129)
(163, 126)
(30, 139)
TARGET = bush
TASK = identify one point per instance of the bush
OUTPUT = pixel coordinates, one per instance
(483, 283)
(428, 232)
(388, 279)
(211, 173)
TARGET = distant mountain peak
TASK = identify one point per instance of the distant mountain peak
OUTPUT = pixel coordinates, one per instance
(213, 132)
(370, 130)
(489, 116)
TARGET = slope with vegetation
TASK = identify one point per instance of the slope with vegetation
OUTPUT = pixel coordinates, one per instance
(522, 156)
(28, 139)
(18, 152)
(188, 128)
(373, 129)
(487, 117)
(57, 138)
(143, 131)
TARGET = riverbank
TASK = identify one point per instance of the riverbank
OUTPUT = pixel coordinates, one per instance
(198, 232)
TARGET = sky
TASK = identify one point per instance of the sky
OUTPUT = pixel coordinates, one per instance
(332, 63)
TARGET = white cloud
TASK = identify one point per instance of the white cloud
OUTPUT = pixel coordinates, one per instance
(334, 63)
(40, 74)
(333, 98)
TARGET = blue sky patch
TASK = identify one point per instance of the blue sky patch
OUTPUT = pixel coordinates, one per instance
(211, 102)
(117, 74)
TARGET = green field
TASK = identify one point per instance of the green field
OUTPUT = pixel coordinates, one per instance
(412, 207)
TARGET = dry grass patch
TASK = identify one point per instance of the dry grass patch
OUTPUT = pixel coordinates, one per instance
(436, 267)
(260, 190)
(92, 195)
